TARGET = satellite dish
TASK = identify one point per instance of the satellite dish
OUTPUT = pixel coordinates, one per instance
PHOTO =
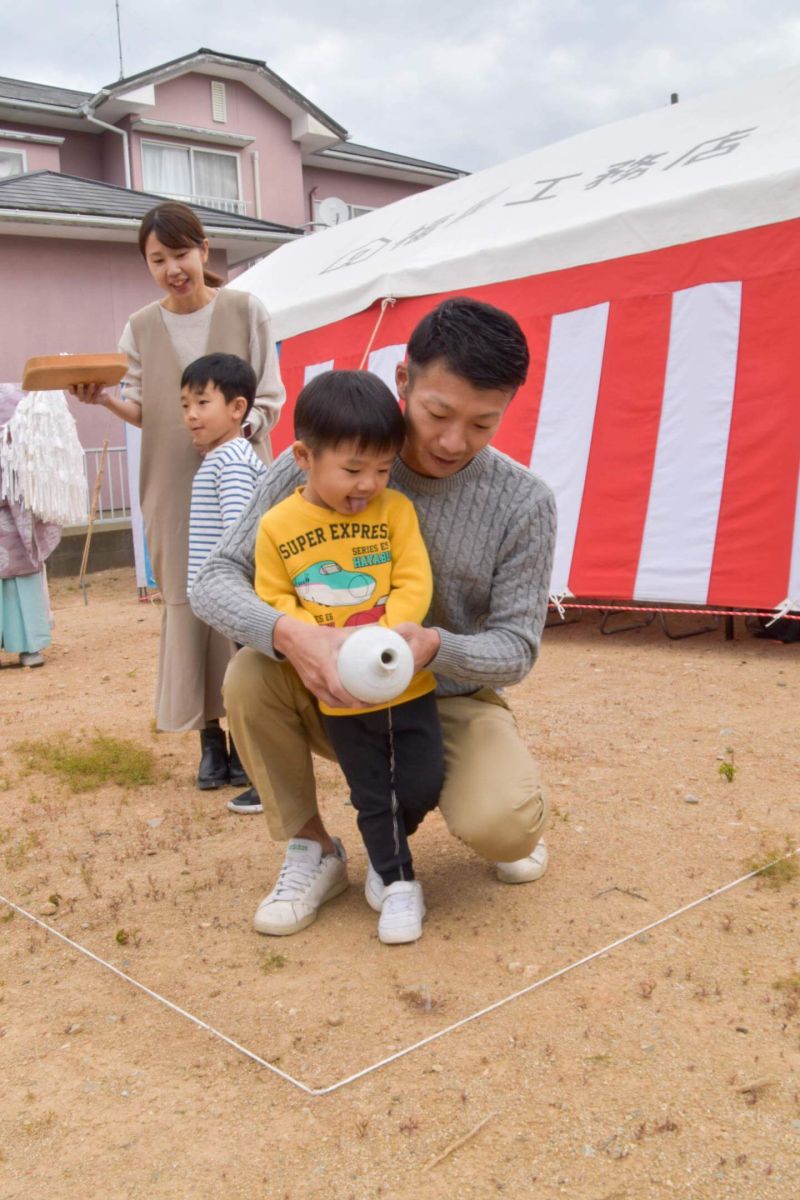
(333, 211)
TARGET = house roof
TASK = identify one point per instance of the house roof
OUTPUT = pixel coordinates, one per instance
(371, 155)
(123, 97)
(51, 191)
(47, 203)
(214, 62)
(41, 93)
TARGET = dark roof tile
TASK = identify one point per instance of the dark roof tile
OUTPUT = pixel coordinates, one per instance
(399, 160)
(50, 191)
(41, 93)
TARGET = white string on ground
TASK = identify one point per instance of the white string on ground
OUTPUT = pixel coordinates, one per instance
(155, 996)
(433, 1037)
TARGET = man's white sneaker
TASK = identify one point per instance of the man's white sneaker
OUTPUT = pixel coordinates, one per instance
(307, 879)
(402, 913)
(374, 888)
(524, 870)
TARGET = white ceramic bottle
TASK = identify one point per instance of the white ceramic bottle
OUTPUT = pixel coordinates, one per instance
(375, 664)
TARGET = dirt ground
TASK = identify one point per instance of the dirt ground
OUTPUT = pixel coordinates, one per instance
(669, 1067)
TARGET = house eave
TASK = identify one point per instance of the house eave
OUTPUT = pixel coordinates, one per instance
(244, 244)
(191, 133)
(331, 160)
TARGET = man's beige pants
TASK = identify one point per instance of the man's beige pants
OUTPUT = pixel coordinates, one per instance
(491, 800)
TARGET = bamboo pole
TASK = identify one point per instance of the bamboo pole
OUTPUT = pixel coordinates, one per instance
(98, 483)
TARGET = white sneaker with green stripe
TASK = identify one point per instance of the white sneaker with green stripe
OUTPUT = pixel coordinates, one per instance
(307, 879)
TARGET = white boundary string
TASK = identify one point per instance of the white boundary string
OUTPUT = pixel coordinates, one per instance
(384, 1062)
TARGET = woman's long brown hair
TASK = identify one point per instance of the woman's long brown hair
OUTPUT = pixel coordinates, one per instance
(176, 225)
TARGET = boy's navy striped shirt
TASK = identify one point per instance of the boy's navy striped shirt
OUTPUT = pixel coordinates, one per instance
(221, 490)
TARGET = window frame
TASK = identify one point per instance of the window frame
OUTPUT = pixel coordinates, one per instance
(23, 155)
(192, 151)
(362, 210)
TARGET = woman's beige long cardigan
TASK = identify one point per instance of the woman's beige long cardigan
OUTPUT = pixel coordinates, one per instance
(193, 657)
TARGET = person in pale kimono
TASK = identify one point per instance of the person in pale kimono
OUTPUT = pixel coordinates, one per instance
(25, 544)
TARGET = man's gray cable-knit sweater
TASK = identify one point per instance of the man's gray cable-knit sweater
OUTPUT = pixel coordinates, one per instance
(490, 532)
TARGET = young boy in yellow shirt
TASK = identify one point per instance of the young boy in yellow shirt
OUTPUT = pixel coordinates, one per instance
(345, 551)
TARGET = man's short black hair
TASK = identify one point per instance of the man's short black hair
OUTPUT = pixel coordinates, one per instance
(479, 343)
(228, 373)
(349, 406)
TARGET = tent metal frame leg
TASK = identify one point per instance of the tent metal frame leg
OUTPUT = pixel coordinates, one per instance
(610, 612)
(664, 621)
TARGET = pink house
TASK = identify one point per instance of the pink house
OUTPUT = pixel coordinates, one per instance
(260, 162)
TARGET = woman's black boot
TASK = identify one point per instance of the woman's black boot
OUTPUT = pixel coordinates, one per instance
(213, 770)
(238, 775)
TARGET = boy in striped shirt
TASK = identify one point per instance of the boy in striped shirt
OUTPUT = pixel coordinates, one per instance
(217, 393)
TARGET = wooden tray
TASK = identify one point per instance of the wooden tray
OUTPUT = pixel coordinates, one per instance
(53, 372)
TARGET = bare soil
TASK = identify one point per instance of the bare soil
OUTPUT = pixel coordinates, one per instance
(668, 1067)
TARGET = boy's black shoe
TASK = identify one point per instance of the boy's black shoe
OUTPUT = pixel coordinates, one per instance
(237, 774)
(213, 769)
(246, 802)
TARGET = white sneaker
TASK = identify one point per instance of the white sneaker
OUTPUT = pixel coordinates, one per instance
(402, 913)
(374, 888)
(524, 870)
(307, 879)
(31, 659)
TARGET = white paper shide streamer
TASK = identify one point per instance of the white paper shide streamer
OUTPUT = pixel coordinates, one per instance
(42, 462)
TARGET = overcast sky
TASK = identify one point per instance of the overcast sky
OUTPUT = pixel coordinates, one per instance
(460, 83)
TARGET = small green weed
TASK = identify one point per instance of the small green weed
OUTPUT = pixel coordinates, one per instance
(790, 984)
(17, 855)
(85, 766)
(123, 937)
(727, 768)
(272, 962)
(775, 868)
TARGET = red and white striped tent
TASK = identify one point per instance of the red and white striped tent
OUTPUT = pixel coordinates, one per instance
(654, 265)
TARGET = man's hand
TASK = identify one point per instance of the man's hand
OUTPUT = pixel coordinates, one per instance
(424, 642)
(312, 650)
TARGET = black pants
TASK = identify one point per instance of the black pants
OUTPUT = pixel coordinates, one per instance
(393, 761)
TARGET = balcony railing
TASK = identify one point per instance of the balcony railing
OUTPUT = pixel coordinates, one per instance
(222, 204)
(113, 502)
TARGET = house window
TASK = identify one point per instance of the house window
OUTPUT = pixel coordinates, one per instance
(12, 162)
(208, 177)
(218, 112)
(352, 210)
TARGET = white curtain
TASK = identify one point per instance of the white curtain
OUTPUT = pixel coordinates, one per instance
(167, 169)
(216, 175)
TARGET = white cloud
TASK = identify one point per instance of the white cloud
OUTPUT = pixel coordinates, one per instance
(454, 83)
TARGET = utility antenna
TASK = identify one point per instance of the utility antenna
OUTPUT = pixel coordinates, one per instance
(119, 41)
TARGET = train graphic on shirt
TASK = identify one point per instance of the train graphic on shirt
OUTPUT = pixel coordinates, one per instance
(327, 583)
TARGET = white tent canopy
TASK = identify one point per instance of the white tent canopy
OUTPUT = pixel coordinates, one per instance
(688, 171)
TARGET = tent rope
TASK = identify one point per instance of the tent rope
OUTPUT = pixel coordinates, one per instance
(558, 603)
(387, 300)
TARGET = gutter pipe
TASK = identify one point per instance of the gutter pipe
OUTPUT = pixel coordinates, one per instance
(87, 112)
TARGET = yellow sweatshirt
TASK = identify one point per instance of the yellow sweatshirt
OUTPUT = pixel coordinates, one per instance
(329, 569)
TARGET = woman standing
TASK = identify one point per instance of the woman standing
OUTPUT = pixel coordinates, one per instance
(197, 316)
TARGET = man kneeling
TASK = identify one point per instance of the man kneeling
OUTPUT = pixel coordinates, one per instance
(489, 526)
